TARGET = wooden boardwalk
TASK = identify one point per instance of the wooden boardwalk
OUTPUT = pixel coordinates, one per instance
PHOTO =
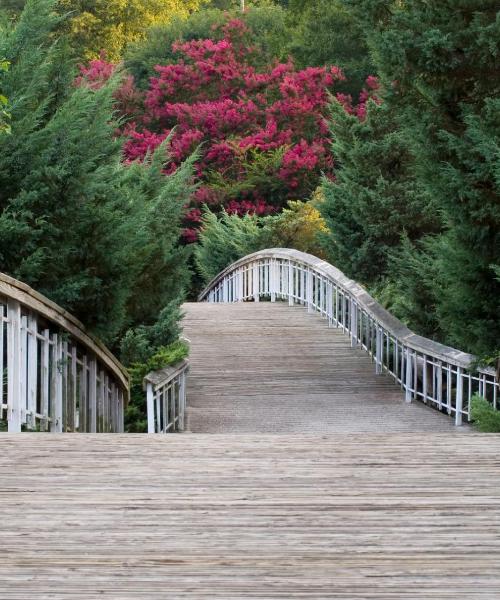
(131, 517)
(271, 368)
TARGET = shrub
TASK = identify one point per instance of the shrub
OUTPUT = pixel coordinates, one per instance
(485, 417)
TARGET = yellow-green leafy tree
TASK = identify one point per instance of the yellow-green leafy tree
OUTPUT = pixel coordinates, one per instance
(108, 25)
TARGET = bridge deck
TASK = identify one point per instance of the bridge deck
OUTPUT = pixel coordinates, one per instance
(271, 368)
(131, 517)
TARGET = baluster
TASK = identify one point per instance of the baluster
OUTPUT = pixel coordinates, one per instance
(57, 417)
(32, 370)
(408, 376)
(378, 351)
(459, 398)
(255, 278)
(14, 366)
(273, 279)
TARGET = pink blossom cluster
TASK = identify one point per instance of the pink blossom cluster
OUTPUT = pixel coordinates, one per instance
(262, 131)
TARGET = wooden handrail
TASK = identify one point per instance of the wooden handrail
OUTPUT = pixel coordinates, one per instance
(426, 369)
(58, 376)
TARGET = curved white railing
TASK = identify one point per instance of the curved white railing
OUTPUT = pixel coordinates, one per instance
(436, 374)
(166, 398)
(54, 376)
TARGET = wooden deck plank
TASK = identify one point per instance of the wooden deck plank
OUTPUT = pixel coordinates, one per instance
(350, 517)
(270, 368)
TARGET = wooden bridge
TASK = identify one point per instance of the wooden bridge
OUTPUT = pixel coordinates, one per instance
(320, 459)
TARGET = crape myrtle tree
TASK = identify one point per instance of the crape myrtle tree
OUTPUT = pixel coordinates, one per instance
(261, 127)
(96, 236)
(266, 24)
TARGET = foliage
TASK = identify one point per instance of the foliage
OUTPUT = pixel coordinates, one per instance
(263, 129)
(375, 197)
(324, 32)
(485, 417)
(4, 115)
(226, 239)
(266, 30)
(298, 226)
(96, 236)
(438, 63)
(109, 25)
(136, 420)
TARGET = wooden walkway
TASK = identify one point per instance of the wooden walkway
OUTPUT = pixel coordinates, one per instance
(271, 368)
(212, 517)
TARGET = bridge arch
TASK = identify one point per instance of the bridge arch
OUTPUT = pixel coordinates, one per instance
(438, 375)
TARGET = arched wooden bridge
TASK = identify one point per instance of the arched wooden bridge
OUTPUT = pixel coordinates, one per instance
(321, 456)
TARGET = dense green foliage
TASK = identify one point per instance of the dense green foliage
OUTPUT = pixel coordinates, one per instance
(95, 235)
(226, 239)
(324, 32)
(485, 417)
(375, 197)
(438, 63)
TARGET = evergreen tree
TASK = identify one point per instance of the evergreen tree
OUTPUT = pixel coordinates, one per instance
(374, 198)
(324, 32)
(440, 62)
(96, 236)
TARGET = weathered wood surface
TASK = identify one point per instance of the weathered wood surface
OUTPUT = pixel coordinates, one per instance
(131, 517)
(270, 368)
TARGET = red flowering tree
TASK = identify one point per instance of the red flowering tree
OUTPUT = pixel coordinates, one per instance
(262, 130)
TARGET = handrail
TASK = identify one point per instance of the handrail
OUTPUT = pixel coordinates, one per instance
(433, 372)
(166, 398)
(54, 374)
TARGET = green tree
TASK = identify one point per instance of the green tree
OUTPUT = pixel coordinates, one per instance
(324, 32)
(267, 24)
(375, 198)
(440, 62)
(96, 236)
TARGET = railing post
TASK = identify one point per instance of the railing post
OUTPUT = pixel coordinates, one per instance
(182, 401)
(57, 417)
(93, 396)
(354, 324)
(459, 398)
(309, 290)
(32, 369)
(408, 376)
(291, 291)
(150, 407)
(273, 279)
(256, 282)
(14, 366)
(378, 351)
(240, 285)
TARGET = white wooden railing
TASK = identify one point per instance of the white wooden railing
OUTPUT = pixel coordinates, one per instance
(53, 375)
(166, 398)
(426, 370)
